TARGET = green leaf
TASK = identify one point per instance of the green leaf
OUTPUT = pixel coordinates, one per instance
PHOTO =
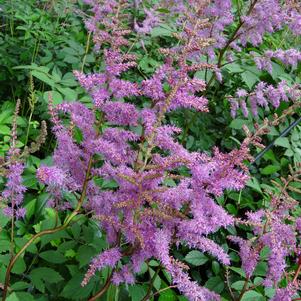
(56, 96)
(19, 267)
(252, 296)
(270, 169)
(85, 254)
(20, 286)
(20, 296)
(253, 183)
(43, 274)
(69, 94)
(21, 241)
(196, 258)
(137, 292)
(238, 285)
(4, 130)
(238, 271)
(161, 31)
(283, 141)
(3, 219)
(215, 284)
(53, 256)
(157, 282)
(234, 68)
(249, 78)
(168, 295)
(70, 253)
(73, 286)
(261, 269)
(4, 245)
(6, 116)
(44, 77)
(70, 59)
(237, 124)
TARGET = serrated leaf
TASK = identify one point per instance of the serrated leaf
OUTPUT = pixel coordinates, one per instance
(270, 169)
(282, 141)
(3, 219)
(4, 130)
(137, 292)
(157, 282)
(196, 258)
(249, 78)
(238, 285)
(20, 296)
(41, 275)
(20, 285)
(44, 77)
(252, 296)
(253, 183)
(56, 96)
(161, 31)
(215, 284)
(19, 267)
(73, 286)
(85, 254)
(237, 123)
(5, 245)
(53, 256)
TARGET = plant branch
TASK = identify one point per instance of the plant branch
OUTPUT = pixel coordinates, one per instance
(103, 289)
(151, 284)
(244, 289)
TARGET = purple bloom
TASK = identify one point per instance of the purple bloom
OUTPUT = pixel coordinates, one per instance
(13, 192)
(107, 258)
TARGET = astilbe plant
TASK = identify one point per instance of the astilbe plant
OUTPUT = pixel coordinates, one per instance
(143, 218)
(276, 229)
(12, 168)
(134, 146)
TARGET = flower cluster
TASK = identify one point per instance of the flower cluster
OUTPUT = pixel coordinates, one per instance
(134, 147)
(262, 96)
(143, 214)
(289, 57)
(275, 230)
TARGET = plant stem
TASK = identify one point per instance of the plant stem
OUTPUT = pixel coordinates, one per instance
(151, 284)
(298, 270)
(28, 127)
(103, 289)
(86, 51)
(232, 38)
(48, 231)
(244, 289)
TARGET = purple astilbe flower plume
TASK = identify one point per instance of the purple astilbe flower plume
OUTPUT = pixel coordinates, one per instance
(264, 95)
(125, 275)
(13, 192)
(107, 258)
(290, 57)
(275, 231)
(284, 294)
(248, 254)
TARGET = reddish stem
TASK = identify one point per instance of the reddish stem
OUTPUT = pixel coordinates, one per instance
(297, 271)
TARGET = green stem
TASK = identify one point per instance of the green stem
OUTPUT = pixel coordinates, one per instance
(28, 127)
(86, 51)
